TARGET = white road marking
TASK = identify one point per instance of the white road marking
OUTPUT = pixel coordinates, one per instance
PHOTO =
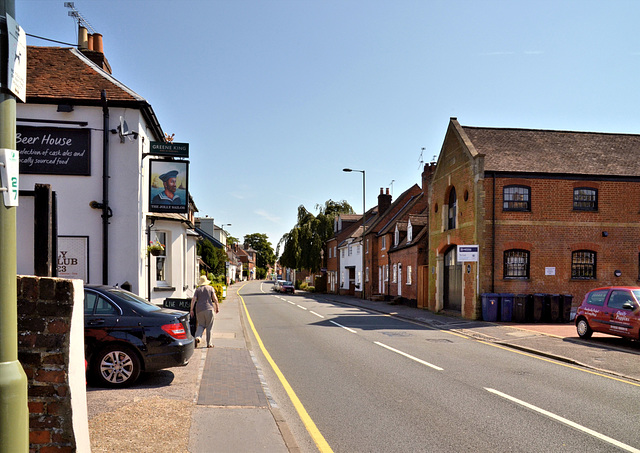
(345, 328)
(304, 308)
(317, 314)
(565, 421)
(435, 367)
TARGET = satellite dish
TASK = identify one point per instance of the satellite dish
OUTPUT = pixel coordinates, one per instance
(123, 131)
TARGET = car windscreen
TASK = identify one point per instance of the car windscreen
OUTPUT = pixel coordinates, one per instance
(137, 303)
(636, 293)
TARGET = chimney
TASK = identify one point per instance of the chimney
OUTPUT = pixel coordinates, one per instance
(427, 173)
(384, 201)
(92, 48)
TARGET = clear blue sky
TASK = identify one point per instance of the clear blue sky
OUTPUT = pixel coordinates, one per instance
(276, 97)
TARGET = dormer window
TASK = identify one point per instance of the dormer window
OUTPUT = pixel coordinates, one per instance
(396, 239)
(409, 232)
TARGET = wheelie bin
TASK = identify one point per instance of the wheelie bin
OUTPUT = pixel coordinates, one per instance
(567, 300)
(522, 308)
(506, 307)
(555, 308)
(538, 307)
(490, 306)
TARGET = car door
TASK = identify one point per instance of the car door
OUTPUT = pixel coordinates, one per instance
(100, 319)
(620, 309)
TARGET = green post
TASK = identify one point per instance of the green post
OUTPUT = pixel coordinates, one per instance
(14, 411)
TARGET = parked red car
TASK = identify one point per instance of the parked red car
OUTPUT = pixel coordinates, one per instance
(614, 310)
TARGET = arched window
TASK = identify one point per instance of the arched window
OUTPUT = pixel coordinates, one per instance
(453, 208)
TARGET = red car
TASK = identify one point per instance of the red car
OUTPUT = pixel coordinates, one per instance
(614, 310)
(287, 287)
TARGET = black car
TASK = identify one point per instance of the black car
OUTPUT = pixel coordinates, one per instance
(124, 335)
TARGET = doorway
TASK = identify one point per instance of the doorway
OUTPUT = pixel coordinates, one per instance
(452, 294)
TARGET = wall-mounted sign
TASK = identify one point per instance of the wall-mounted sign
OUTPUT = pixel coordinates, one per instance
(168, 186)
(169, 149)
(54, 151)
(467, 253)
(549, 271)
(17, 73)
(73, 257)
(10, 176)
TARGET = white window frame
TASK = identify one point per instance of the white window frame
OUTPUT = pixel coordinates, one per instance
(409, 278)
(409, 232)
(395, 274)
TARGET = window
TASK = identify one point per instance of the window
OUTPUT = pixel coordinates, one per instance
(396, 236)
(386, 272)
(350, 250)
(618, 298)
(408, 275)
(453, 208)
(409, 232)
(366, 274)
(342, 253)
(583, 265)
(597, 297)
(516, 198)
(384, 242)
(516, 264)
(395, 273)
(161, 259)
(367, 249)
(585, 199)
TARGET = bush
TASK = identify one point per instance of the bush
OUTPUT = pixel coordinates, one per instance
(218, 288)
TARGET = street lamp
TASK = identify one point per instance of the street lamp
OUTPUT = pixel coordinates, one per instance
(226, 263)
(364, 214)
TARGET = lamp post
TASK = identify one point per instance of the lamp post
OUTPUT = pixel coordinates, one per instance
(364, 214)
(226, 263)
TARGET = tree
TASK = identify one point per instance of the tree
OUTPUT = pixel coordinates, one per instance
(303, 244)
(264, 250)
(213, 257)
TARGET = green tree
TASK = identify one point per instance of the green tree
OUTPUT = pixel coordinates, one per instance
(303, 244)
(265, 256)
(213, 257)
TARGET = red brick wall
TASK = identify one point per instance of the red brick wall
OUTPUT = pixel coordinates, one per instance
(45, 312)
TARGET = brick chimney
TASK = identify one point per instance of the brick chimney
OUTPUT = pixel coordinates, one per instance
(384, 201)
(92, 48)
(427, 173)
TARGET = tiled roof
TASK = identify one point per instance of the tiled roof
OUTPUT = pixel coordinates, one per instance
(560, 152)
(58, 73)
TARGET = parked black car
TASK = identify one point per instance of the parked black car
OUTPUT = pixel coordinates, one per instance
(124, 335)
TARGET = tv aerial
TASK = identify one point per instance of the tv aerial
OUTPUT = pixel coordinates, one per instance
(79, 17)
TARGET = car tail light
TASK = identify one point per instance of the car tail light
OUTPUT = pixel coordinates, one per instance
(176, 330)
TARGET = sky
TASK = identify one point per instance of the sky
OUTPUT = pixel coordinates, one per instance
(276, 97)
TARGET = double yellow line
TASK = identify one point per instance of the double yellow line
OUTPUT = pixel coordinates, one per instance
(311, 427)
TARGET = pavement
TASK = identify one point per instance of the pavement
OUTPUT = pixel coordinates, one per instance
(232, 409)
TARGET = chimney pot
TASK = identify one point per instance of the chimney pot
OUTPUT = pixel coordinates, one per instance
(82, 38)
(97, 43)
(387, 191)
(381, 191)
(90, 41)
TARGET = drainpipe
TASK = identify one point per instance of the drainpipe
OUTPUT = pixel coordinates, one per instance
(106, 211)
(493, 236)
(153, 222)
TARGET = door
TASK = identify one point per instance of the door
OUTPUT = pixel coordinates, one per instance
(619, 311)
(452, 288)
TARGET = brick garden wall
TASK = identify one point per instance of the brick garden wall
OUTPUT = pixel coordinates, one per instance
(51, 351)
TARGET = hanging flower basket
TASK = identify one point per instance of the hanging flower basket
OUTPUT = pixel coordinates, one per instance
(155, 248)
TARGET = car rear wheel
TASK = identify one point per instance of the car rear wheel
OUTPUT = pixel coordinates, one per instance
(116, 366)
(584, 331)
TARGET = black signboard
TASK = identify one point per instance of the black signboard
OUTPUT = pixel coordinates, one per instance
(54, 151)
(169, 149)
(177, 304)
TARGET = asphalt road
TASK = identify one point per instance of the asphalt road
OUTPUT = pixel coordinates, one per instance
(369, 382)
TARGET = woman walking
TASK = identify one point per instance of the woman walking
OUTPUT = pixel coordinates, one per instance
(204, 303)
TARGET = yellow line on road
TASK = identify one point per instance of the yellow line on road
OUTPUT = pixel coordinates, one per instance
(312, 429)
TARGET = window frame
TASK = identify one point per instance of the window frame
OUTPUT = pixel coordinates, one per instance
(509, 270)
(592, 204)
(507, 204)
(452, 211)
(582, 270)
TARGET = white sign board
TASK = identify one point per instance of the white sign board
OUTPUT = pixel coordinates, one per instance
(468, 253)
(549, 271)
(17, 74)
(73, 257)
(9, 175)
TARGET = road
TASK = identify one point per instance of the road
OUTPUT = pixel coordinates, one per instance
(368, 382)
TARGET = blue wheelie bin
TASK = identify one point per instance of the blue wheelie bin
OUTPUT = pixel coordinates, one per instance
(490, 306)
(506, 307)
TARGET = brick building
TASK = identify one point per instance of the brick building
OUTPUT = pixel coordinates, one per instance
(552, 212)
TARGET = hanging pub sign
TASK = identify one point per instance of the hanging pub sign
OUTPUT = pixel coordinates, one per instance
(169, 149)
(168, 186)
(54, 151)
